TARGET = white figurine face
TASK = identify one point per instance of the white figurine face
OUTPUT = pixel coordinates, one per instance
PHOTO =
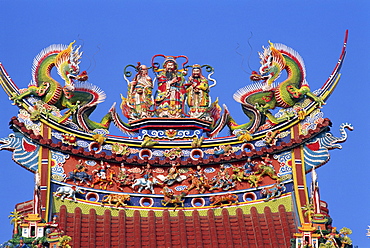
(170, 66)
(196, 72)
(144, 70)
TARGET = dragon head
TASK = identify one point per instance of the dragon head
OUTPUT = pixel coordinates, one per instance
(272, 63)
(5, 143)
(67, 64)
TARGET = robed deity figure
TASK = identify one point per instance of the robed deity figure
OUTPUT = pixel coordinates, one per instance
(170, 92)
(140, 93)
(197, 93)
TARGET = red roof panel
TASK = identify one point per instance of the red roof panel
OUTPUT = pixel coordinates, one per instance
(254, 230)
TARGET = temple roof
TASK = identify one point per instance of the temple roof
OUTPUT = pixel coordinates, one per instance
(254, 230)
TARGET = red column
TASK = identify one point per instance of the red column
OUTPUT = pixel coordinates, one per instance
(152, 230)
(167, 228)
(122, 229)
(63, 217)
(76, 239)
(137, 228)
(197, 229)
(92, 228)
(243, 232)
(299, 176)
(182, 228)
(285, 224)
(44, 176)
(271, 227)
(107, 228)
(226, 223)
(256, 227)
(212, 228)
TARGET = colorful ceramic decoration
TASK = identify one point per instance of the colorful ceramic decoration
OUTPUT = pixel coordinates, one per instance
(114, 188)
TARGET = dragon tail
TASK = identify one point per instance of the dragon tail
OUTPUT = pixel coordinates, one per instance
(255, 120)
(334, 77)
(220, 124)
(7, 83)
(124, 127)
(93, 95)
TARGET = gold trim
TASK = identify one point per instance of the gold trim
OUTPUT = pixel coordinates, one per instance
(47, 210)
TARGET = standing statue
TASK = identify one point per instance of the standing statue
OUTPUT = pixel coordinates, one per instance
(170, 93)
(197, 93)
(139, 99)
(140, 93)
(124, 178)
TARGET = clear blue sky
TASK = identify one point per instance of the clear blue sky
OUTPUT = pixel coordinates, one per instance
(117, 33)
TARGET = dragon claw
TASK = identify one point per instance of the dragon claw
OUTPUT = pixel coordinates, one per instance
(16, 99)
(319, 102)
(260, 108)
(75, 107)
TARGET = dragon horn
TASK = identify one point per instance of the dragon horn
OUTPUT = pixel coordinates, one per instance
(64, 55)
(183, 56)
(71, 44)
(128, 73)
(157, 55)
(208, 68)
(77, 55)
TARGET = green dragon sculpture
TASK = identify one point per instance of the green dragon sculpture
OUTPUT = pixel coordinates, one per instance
(259, 98)
(79, 98)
